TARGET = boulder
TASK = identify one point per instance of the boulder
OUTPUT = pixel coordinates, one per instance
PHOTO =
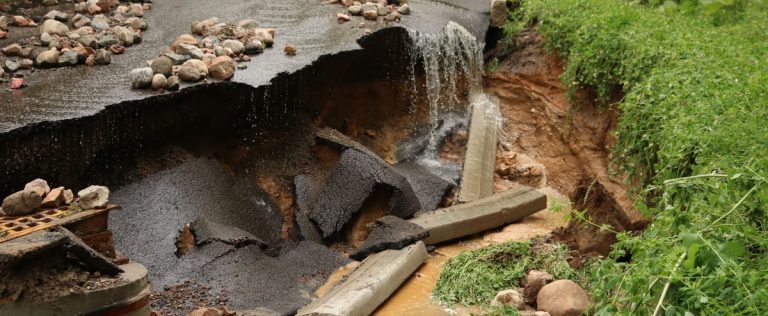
(68, 58)
(185, 39)
(498, 13)
(53, 199)
(177, 59)
(189, 73)
(254, 47)
(22, 203)
(80, 21)
(100, 22)
(534, 282)
(11, 66)
(140, 78)
(162, 65)
(94, 197)
(563, 298)
(107, 40)
(12, 50)
(88, 41)
(103, 57)
(355, 10)
(222, 68)
(189, 50)
(127, 36)
(371, 15)
(509, 298)
(199, 65)
(236, 46)
(159, 82)
(49, 58)
(172, 83)
(54, 27)
(38, 185)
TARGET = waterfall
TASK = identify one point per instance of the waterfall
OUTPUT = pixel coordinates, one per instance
(453, 64)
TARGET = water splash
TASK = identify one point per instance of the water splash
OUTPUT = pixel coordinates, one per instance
(453, 64)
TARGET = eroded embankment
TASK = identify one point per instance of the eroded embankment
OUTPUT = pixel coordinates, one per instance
(551, 142)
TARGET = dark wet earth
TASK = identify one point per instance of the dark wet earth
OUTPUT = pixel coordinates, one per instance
(308, 24)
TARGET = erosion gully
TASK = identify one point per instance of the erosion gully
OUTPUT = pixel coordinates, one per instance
(231, 157)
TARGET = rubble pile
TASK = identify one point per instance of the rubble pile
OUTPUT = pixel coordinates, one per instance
(37, 195)
(213, 49)
(87, 35)
(388, 10)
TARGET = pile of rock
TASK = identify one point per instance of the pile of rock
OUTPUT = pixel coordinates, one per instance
(90, 35)
(549, 297)
(389, 10)
(212, 50)
(37, 195)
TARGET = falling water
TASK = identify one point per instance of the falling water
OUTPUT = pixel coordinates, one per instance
(453, 64)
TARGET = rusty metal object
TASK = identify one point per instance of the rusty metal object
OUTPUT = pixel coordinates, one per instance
(15, 227)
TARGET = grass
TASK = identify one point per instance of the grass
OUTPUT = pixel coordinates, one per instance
(474, 277)
(693, 133)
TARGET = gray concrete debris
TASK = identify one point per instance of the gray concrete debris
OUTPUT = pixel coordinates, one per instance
(480, 159)
(371, 284)
(304, 197)
(352, 180)
(430, 188)
(390, 232)
(481, 215)
(207, 231)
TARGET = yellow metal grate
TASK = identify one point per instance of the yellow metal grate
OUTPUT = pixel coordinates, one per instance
(12, 227)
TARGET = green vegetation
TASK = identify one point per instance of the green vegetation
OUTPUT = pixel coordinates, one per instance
(693, 133)
(474, 277)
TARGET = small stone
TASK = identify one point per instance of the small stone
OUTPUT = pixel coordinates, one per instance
(85, 30)
(22, 203)
(199, 65)
(117, 49)
(509, 298)
(392, 17)
(141, 78)
(38, 185)
(3, 34)
(54, 27)
(107, 40)
(11, 65)
(162, 65)
(26, 52)
(201, 27)
(248, 24)
(137, 9)
(563, 298)
(68, 58)
(95, 197)
(90, 60)
(56, 15)
(245, 58)
(4, 21)
(188, 73)
(50, 3)
(341, 17)
(242, 66)
(382, 10)
(55, 198)
(290, 50)
(355, 10)
(100, 22)
(69, 196)
(237, 47)
(404, 9)
(103, 57)
(125, 35)
(49, 58)
(177, 59)
(185, 39)
(16, 83)
(222, 68)
(172, 83)
(80, 20)
(12, 49)
(159, 82)
(88, 41)
(190, 50)
(136, 24)
(20, 21)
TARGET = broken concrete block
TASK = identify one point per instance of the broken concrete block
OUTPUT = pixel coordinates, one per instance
(430, 188)
(207, 231)
(390, 232)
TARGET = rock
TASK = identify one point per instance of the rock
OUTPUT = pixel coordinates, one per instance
(126, 35)
(53, 199)
(382, 10)
(4, 21)
(190, 50)
(248, 24)
(237, 47)
(90, 60)
(50, 3)
(38, 185)
(563, 298)
(56, 15)
(141, 78)
(85, 30)
(3, 34)
(189, 73)
(534, 282)
(20, 21)
(392, 17)
(88, 41)
(222, 68)
(68, 58)
(290, 50)
(22, 203)
(177, 59)
(341, 17)
(137, 9)
(100, 22)
(199, 65)
(404, 9)
(370, 6)
(172, 83)
(162, 65)
(11, 65)
(107, 40)
(117, 49)
(201, 27)
(17, 83)
(94, 197)
(159, 82)
(136, 24)
(371, 15)
(355, 10)
(185, 39)
(509, 298)
(26, 52)
(12, 50)
(49, 58)
(254, 47)
(2, 72)
(103, 57)
(54, 27)
(80, 20)
(68, 196)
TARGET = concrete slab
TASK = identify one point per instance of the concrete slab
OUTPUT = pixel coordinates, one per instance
(474, 217)
(371, 284)
(480, 159)
(430, 188)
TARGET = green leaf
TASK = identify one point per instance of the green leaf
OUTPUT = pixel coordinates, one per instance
(690, 261)
(732, 249)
